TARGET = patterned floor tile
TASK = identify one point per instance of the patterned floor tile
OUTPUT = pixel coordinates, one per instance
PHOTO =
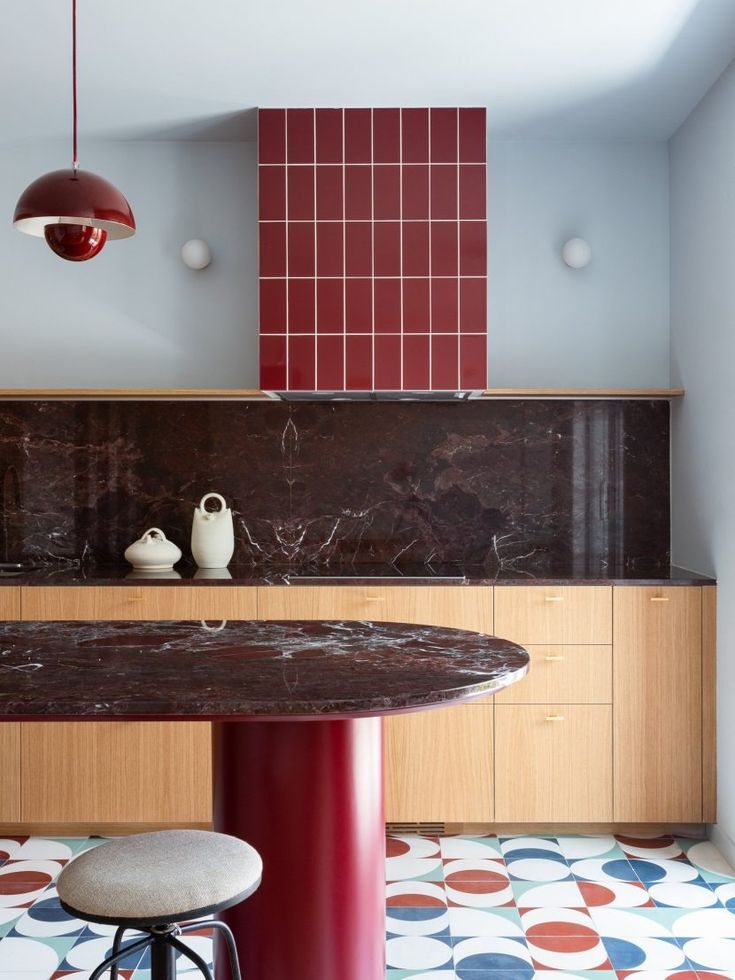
(461, 907)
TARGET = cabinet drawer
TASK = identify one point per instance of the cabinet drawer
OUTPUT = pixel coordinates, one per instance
(139, 602)
(9, 603)
(563, 675)
(468, 607)
(554, 614)
(553, 763)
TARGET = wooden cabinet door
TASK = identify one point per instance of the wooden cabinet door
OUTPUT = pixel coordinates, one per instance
(438, 763)
(553, 763)
(657, 735)
(9, 603)
(122, 772)
(9, 730)
(9, 772)
(154, 602)
(554, 614)
(92, 773)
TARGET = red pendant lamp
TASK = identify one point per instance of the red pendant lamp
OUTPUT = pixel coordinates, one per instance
(75, 211)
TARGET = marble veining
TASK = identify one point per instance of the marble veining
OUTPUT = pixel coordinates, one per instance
(513, 486)
(245, 669)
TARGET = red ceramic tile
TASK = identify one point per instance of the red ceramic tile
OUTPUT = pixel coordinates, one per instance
(415, 248)
(358, 193)
(473, 248)
(386, 135)
(273, 362)
(473, 361)
(272, 310)
(328, 135)
(329, 249)
(387, 248)
(444, 248)
(416, 306)
(472, 190)
(387, 305)
(388, 362)
(358, 248)
(415, 135)
(300, 193)
(473, 305)
(444, 191)
(444, 363)
(330, 370)
(271, 135)
(272, 256)
(301, 249)
(272, 193)
(443, 135)
(300, 135)
(386, 192)
(444, 305)
(358, 136)
(301, 305)
(359, 363)
(416, 363)
(472, 138)
(329, 305)
(415, 201)
(301, 363)
(329, 192)
(359, 306)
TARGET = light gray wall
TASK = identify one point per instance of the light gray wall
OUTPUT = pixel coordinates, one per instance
(135, 315)
(603, 326)
(702, 157)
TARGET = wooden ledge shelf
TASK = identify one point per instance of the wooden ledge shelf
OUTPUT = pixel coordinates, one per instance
(583, 393)
(255, 394)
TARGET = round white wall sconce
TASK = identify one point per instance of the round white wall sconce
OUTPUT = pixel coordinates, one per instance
(196, 253)
(576, 253)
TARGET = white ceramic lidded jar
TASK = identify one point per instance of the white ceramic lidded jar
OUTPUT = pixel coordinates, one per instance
(153, 551)
(212, 534)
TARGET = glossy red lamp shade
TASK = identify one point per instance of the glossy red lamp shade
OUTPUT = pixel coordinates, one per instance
(75, 211)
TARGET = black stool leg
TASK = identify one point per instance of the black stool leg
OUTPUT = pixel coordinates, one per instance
(163, 957)
(116, 944)
(191, 955)
(229, 940)
(114, 959)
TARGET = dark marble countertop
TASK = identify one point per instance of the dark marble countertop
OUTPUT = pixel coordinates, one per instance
(56, 670)
(550, 572)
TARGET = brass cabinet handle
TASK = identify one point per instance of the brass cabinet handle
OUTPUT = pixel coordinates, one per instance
(659, 598)
(552, 658)
(555, 717)
(553, 598)
(135, 598)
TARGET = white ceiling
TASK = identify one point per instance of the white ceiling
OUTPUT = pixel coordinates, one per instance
(168, 69)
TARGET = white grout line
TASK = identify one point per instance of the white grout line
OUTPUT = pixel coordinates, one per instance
(288, 333)
(431, 343)
(400, 231)
(316, 270)
(372, 244)
(344, 251)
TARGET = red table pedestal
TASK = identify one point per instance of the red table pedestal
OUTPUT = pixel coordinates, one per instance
(308, 795)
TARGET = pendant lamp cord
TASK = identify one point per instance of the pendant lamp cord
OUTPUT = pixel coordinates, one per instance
(75, 161)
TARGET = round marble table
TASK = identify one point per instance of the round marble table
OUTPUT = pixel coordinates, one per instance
(302, 781)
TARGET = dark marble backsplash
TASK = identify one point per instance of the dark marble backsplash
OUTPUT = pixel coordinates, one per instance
(518, 483)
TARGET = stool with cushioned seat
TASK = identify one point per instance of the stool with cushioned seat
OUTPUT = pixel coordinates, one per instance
(151, 883)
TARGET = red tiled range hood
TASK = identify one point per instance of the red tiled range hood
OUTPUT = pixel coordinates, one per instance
(373, 250)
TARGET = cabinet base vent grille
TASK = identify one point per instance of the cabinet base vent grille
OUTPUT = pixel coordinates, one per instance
(425, 829)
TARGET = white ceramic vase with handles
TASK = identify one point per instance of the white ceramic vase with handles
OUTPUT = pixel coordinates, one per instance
(212, 534)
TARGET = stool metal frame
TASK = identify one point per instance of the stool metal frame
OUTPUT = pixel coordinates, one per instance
(163, 942)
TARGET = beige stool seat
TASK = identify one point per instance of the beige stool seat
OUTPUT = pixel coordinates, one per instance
(159, 878)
